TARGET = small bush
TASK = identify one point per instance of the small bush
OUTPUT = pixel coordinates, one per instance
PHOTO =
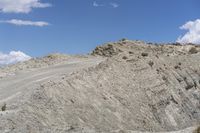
(177, 67)
(144, 54)
(157, 56)
(150, 43)
(197, 130)
(130, 52)
(3, 108)
(176, 44)
(123, 39)
(151, 63)
(189, 86)
(164, 78)
(193, 50)
(124, 57)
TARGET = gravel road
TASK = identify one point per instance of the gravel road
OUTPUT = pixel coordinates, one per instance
(14, 86)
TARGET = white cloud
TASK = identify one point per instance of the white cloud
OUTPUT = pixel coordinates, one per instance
(21, 6)
(25, 22)
(114, 5)
(95, 4)
(193, 33)
(13, 57)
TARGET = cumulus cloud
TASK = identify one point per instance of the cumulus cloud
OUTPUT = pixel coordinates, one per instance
(25, 22)
(193, 32)
(21, 6)
(13, 57)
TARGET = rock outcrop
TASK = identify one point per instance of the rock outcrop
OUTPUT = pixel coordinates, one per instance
(139, 87)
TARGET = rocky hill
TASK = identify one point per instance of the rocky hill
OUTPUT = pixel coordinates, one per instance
(122, 87)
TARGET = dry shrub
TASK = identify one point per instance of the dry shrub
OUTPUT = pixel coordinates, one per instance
(197, 130)
(193, 50)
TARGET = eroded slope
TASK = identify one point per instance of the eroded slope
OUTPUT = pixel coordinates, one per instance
(140, 87)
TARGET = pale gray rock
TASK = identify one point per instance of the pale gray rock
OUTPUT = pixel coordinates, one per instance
(124, 87)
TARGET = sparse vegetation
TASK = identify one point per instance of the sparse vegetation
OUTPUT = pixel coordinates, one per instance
(108, 50)
(71, 128)
(157, 56)
(176, 44)
(124, 57)
(123, 39)
(189, 86)
(193, 50)
(197, 130)
(151, 63)
(177, 67)
(144, 54)
(164, 78)
(130, 52)
(158, 71)
(150, 43)
(3, 108)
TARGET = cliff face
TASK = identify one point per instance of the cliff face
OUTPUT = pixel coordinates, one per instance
(134, 87)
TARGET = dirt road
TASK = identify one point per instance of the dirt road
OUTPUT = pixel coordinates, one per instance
(14, 86)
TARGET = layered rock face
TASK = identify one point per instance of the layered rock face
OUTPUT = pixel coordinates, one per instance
(137, 87)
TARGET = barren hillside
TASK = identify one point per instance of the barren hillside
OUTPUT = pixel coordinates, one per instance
(122, 87)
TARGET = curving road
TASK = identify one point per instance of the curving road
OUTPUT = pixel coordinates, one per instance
(14, 86)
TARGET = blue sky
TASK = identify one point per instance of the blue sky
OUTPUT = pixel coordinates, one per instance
(77, 26)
